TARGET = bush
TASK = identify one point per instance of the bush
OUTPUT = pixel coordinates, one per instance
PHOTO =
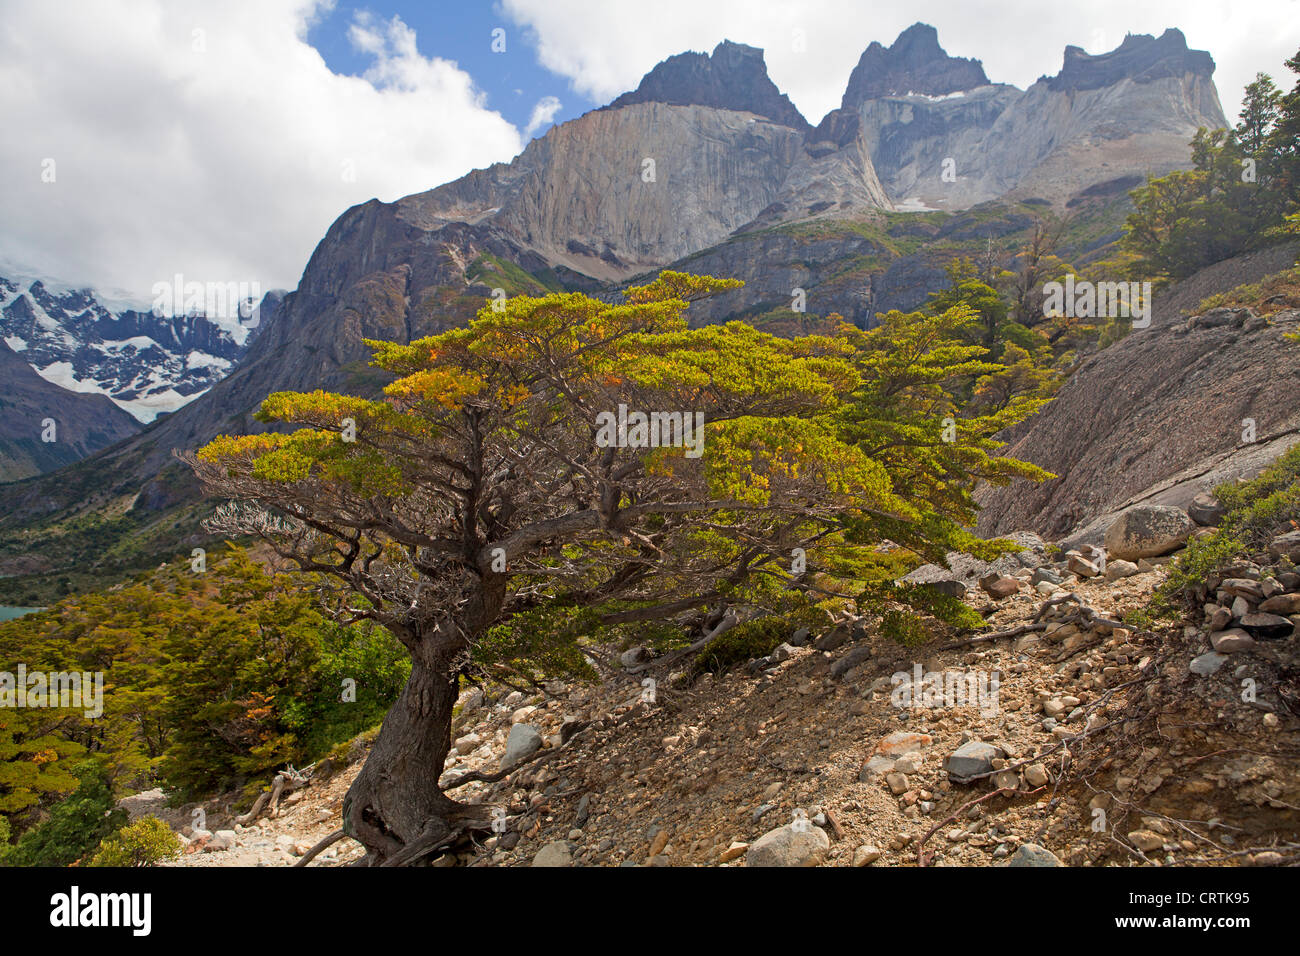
(146, 842)
(742, 643)
(911, 614)
(1257, 511)
(75, 826)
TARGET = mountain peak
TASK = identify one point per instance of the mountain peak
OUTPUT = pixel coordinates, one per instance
(1141, 57)
(733, 77)
(916, 63)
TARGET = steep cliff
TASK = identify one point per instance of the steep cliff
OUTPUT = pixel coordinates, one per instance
(1131, 111)
(734, 78)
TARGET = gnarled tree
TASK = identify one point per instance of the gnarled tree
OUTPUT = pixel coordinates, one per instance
(487, 493)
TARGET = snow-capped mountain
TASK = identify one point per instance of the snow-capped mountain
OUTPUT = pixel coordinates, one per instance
(147, 364)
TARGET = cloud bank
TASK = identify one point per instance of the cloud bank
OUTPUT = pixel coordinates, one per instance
(145, 138)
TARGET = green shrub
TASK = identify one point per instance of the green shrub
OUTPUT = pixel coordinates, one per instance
(1257, 511)
(146, 842)
(904, 627)
(366, 654)
(911, 614)
(742, 643)
(74, 827)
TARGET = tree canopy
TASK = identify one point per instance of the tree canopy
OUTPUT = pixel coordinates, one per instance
(486, 488)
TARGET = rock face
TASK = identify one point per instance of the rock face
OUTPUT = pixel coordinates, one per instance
(620, 191)
(1157, 418)
(83, 424)
(1148, 531)
(941, 136)
(915, 63)
(734, 77)
(1141, 57)
(731, 164)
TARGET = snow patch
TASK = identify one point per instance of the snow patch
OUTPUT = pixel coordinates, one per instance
(145, 408)
(197, 359)
(937, 99)
(15, 343)
(140, 343)
(913, 204)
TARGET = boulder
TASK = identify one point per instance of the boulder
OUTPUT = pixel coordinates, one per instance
(948, 588)
(1286, 546)
(1120, 568)
(833, 639)
(971, 759)
(1231, 641)
(786, 846)
(1081, 566)
(865, 855)
(852, 659)
(1148, 531)
(1031, 854)
(999, 586)
(1207, 664)
(782, 653)
(1282, 604)
(1047, 575)
(1206, 510)
(634, 656)
(221, 840)
(554, 854)
(1267, 627)
(524, 741)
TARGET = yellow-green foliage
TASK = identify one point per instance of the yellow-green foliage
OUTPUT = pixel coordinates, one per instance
(838, 441)
(209, 679)
(146, 842)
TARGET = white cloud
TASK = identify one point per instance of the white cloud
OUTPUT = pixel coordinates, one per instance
(211, 139)
(606, 48)
(543, 114)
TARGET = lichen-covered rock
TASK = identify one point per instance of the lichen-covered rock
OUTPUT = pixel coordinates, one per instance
(1148, 531)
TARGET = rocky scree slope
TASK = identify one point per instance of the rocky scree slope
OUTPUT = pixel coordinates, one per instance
(804, 757)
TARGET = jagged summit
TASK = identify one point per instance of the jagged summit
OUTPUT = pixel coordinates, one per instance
(914, 64)
(733, 77)
(1141, 57)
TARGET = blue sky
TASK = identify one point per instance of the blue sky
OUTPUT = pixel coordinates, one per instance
(513, 81)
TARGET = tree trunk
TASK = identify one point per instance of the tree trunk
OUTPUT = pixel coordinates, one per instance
(394, 807)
